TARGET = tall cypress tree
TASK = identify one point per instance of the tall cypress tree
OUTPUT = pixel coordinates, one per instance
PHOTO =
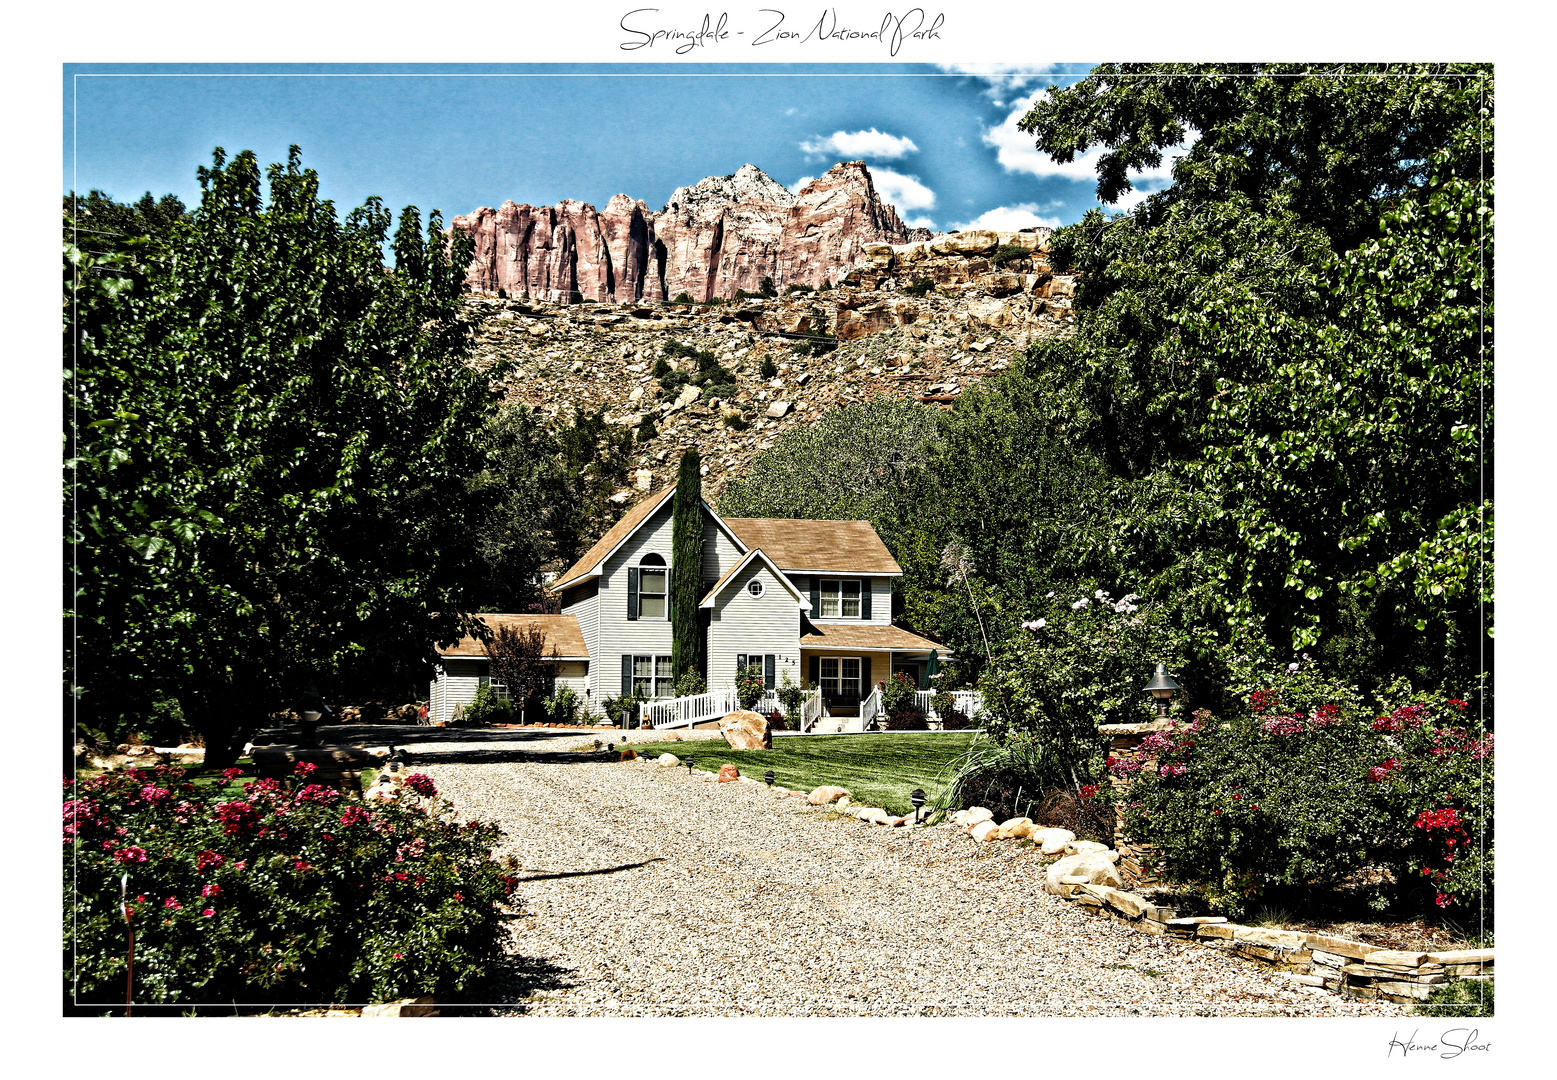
(686, 563)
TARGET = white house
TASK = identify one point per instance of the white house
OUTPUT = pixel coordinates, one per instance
(812, 599)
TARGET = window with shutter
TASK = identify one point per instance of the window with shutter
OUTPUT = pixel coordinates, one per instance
(632, 592)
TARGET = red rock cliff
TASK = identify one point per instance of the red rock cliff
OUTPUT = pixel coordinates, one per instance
(712, 238)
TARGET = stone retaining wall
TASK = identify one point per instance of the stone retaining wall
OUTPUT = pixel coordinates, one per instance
(1352, 968)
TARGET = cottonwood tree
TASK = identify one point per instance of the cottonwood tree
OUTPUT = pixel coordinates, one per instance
(269, 436)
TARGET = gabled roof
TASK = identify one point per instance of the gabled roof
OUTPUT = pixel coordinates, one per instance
(562, 633)
(866, 636)
(753, 555)
(622, 531)
(615, 536)
(844, 547)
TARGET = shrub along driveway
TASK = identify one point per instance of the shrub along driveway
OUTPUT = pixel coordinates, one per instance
(647, 892)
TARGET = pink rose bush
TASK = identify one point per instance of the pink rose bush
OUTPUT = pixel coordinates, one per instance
(272, 895)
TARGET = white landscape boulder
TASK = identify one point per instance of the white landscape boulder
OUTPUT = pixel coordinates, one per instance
(667, 760)
(1052, 841)
(1084, 847)
(1091, 868)
(985, 831)
(746, 730)
(971, 816)
(825, 794)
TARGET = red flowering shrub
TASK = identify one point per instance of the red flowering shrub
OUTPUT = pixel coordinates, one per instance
(1301, 790)
(422, 784)
(274, 897)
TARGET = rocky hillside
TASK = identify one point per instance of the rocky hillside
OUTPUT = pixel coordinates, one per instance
(711, 239)
(921, 321)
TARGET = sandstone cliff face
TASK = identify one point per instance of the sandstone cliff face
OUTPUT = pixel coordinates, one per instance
(712, 238)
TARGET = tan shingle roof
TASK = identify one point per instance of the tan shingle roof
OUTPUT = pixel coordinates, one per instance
(866, 636)
(847, 547)
(561, 631)
(614, 535)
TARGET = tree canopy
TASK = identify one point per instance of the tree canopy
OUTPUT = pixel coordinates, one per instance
(270, 434)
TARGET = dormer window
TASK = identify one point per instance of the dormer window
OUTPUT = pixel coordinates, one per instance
(651, 587)
(840, 599)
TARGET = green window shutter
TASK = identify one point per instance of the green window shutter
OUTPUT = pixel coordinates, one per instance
(627, 675)
(816, 672)
(816, 597)
(632, 592)
(865, 680)
(769, 670)
(865, 599)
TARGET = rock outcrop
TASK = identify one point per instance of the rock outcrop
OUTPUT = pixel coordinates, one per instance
(711, 239)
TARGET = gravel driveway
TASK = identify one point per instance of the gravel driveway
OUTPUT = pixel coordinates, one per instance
(650, 893)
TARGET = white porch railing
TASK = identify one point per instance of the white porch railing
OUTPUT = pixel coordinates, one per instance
(870, 708)
(810, 709)
(968, 702)
(686, 711)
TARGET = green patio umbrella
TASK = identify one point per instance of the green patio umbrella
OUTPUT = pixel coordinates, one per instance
(932, 666)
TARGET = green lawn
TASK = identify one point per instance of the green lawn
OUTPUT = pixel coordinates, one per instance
(877, 769)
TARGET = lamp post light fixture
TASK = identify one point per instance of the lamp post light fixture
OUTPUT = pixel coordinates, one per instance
(768, 776)
(690, 759)
(1161, 689)
(917, 798)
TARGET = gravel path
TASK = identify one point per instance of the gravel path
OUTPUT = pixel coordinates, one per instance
(651, 893)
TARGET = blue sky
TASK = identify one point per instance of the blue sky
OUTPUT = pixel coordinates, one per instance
(941, 141)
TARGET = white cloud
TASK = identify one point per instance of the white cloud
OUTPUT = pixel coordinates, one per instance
(920, 222)
(904, 192)
(1001, 80)
(1016, 151)
(1011, 219)
(802, 182)
(791, 111)
(862, 144)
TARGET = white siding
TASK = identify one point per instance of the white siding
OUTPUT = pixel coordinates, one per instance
(743, 623)
(584, 605)
(456, 685)
(719, 551)
(616, 633)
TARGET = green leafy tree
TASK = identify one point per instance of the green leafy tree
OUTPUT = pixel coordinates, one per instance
(686, 565)
(269, 437)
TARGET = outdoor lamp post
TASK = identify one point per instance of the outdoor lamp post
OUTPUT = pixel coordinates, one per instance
(690, 759)
(1161, 689)
(768, 776)
(917, 798)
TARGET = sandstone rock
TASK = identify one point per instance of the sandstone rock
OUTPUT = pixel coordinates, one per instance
(843, 802)
(667, 760)
(728, 772)
(823, 795)
(1052, 841)
(422, 1006)
(985, 831)
(746, 730)
(1016, 828)
(779, 409)
(1095, 867)
(628, 755)
(977, 814)
(1081, 847)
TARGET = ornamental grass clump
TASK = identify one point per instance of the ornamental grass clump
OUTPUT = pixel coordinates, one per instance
(1305, 789)
(256, 892)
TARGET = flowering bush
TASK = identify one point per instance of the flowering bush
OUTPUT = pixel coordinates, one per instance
(1081, 664)
(750, 686)
(899, 693)
(260, 893)
(1308, 788)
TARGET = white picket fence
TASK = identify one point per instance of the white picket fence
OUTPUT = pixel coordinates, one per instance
(686, 711)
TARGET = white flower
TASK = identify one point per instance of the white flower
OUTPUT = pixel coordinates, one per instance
(1050, 596)
(1292, 667)
(1099, 595)
(1079, 604)
(1040, 624)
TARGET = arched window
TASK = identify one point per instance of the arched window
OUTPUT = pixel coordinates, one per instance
(651, 586)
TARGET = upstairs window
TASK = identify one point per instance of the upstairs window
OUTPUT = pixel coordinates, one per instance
(840, 599)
